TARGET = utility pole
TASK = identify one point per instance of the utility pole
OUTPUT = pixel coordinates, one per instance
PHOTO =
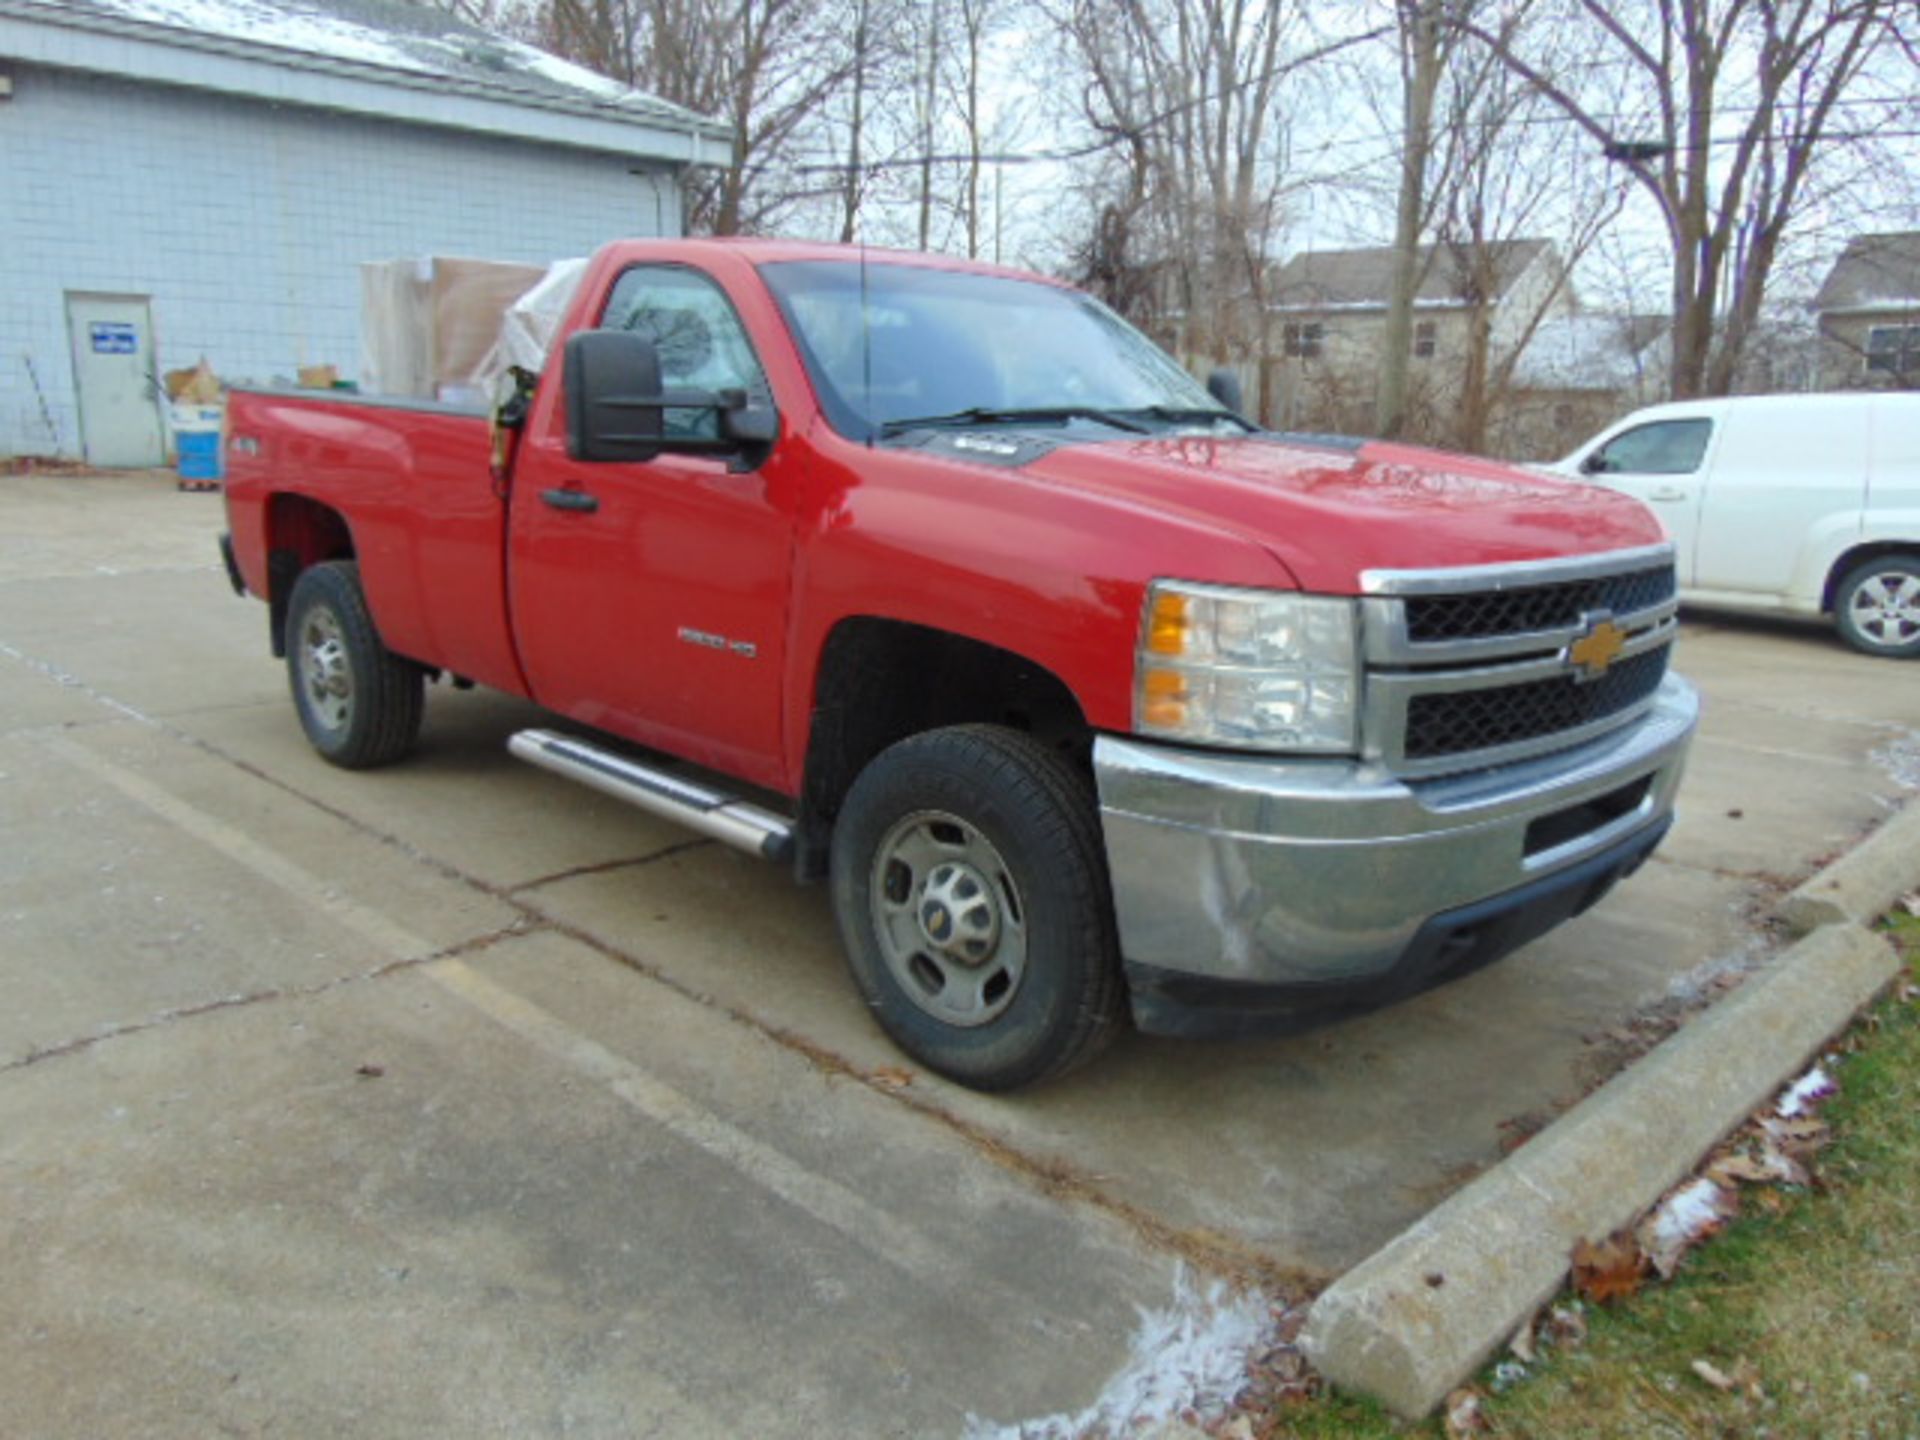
(1422, 60)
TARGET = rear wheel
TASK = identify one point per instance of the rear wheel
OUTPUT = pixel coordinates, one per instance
(970, 886)
(1877, 606)
(359, 703)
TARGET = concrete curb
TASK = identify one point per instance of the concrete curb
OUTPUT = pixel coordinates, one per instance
(1861, 885)
(1419, 1316)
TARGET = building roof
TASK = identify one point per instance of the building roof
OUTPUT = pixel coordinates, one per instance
(1874, 272)
(1363, 279)
(353, 55)
(1590, 352)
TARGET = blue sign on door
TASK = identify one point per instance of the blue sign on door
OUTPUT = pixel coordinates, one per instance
(113, 337)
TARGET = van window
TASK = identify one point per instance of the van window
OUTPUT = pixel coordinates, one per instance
(1664, 447)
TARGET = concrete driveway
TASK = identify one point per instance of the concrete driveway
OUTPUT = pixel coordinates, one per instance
(455, 1099)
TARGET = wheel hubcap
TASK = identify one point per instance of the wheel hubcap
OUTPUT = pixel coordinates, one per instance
(949, 919)
(324, 669)
(1887, 608)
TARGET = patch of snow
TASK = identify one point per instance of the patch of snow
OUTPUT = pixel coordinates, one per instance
(1900, 758)
(564, 72)
(1682, 1220)
(1577, 352)
(1690, 987)
(1801, 1096)
(262, 24)
(315, 32)
(1192, 1356)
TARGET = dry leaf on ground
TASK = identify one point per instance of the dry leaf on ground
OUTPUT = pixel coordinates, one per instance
(892, 1077)
(1464, 1415)
(1763, 1163)
(1564, 1326)
(1522, 1344)
(1610, 1270)
(1713, 1375)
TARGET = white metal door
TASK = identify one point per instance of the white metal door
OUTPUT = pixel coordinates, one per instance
(1780, 477)
(114, 377)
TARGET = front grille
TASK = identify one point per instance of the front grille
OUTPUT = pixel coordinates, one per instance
(1454, 722)
(1435, 618)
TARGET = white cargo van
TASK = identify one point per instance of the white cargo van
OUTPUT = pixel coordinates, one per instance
(1808, 504)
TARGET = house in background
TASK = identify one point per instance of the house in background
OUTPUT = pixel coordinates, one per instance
(1329, 309)
(1577, 374)
(188, 178)
(1868, 312)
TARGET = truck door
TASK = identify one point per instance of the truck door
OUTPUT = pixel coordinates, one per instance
(650, 599)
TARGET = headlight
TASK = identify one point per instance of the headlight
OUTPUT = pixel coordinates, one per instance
(1259, 669)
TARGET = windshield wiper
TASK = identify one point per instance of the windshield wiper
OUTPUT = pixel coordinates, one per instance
(1040, 414)
(1177, 414)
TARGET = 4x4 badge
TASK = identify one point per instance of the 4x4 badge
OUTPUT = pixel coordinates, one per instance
(1594, 652)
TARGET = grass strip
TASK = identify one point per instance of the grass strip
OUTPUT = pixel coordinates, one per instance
(1807, 1308)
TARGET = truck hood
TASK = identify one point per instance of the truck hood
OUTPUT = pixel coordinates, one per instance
(1329, 511)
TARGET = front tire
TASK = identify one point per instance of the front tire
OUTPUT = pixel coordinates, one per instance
(970, 884)
(359, 703)
(1876, 607)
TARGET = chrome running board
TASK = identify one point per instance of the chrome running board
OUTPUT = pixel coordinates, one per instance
(711, 813)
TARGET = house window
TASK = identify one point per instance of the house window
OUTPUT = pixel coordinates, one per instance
(1425, 333)
(1894, 349)
(1303, 341)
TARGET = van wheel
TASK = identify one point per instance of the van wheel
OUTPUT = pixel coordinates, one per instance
(970, 885)
(359, 703)
(1877, 607)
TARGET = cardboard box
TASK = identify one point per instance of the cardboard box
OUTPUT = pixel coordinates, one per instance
(429, 323)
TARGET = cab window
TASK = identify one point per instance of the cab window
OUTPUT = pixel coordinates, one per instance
(702, 344)
(1663, 447)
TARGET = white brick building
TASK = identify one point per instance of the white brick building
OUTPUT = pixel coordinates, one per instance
(188, 178)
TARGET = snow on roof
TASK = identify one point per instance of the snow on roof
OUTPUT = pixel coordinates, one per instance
(392, 35)
(1587, 352)
(1874, 272)
(1362, 279)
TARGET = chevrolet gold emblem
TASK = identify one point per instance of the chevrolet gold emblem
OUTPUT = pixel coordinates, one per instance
(1595, 651)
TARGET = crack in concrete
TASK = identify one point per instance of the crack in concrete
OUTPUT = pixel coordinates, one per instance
(160, 1019)
(1765, 879)
(632, 862)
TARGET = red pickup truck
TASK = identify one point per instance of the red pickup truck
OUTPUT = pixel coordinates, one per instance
(939, 582)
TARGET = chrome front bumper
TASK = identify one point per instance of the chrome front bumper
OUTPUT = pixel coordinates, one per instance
(1275, 876)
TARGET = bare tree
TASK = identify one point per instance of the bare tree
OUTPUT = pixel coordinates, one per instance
(768, 68)
(1186, 94)
(1724, 113)
(1424, 46)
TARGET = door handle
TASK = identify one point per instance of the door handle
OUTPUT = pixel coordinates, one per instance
(1666, 492)
(570, 500)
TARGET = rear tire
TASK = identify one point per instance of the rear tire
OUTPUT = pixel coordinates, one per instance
(359, 703)
(1876, 607)
(970, 883)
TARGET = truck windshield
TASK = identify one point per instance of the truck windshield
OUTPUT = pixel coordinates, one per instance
(941, 348)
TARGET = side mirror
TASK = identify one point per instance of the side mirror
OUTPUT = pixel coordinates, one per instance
(612, 382)
(1224, 385)
(747, 424)
(1595, 464)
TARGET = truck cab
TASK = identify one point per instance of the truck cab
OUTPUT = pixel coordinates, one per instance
(1092, 702)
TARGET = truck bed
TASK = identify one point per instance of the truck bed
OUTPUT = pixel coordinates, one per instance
(428, 528)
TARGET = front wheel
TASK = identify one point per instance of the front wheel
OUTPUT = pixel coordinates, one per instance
(970, 885)
(1877, 607)
(359, 703)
